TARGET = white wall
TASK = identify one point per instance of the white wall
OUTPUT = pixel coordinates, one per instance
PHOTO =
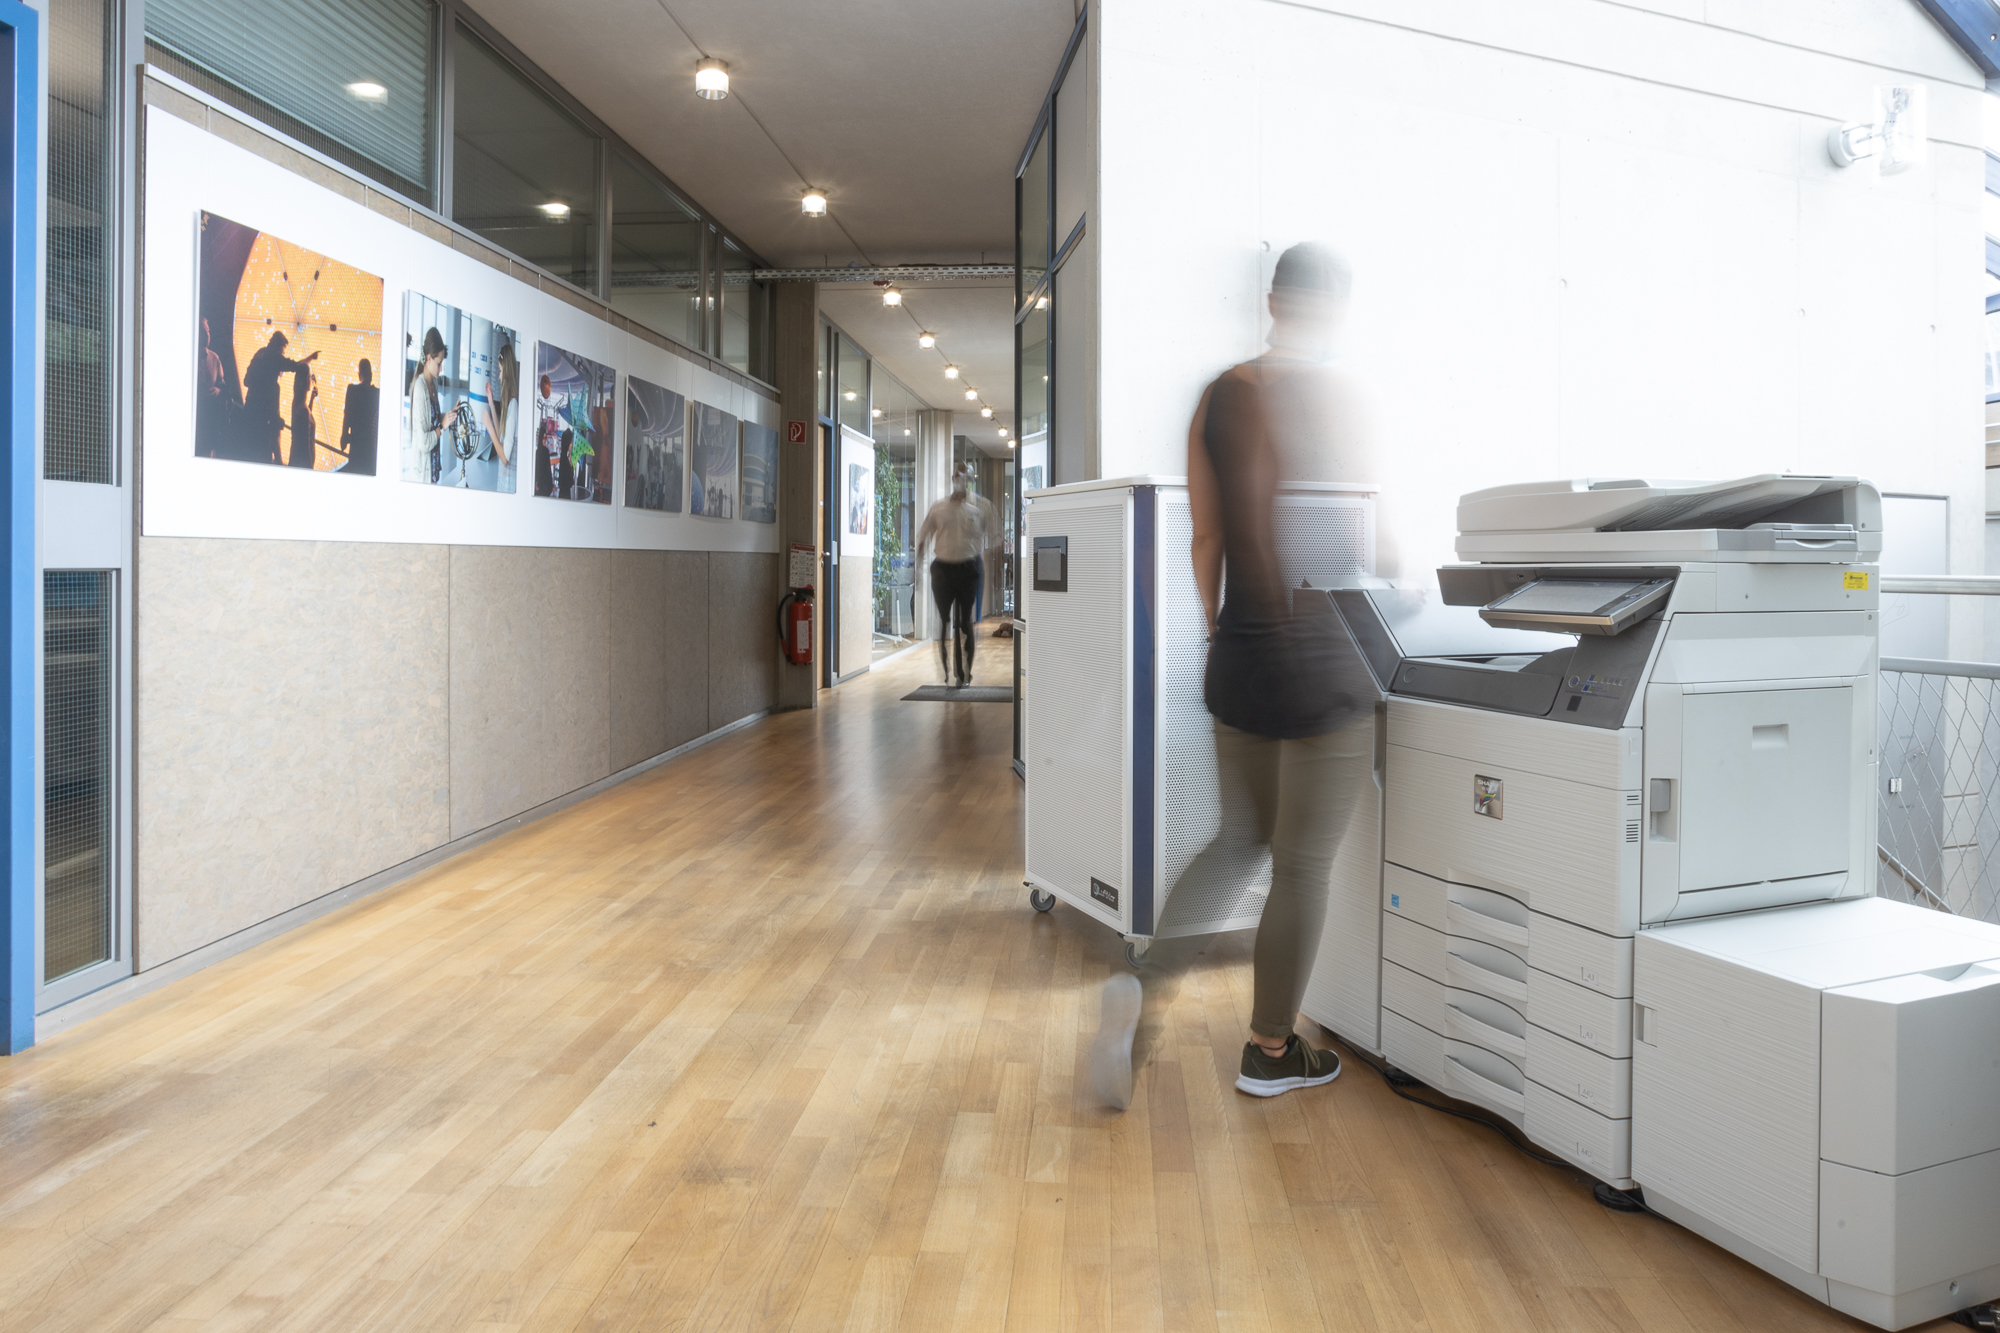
(1588, 238)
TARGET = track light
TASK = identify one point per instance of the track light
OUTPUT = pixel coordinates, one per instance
(891, 296)
(972, 395)
(711, 80)
(986, 412)
(951, 372)
(812, 203)
(927, 340)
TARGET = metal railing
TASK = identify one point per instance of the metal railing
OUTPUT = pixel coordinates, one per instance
(1938, 832)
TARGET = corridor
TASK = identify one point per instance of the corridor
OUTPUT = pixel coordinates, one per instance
(768, 1037)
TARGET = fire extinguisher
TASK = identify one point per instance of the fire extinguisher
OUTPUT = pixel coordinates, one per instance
(795, 626)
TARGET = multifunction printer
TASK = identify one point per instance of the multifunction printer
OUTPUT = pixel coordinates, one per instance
(1627, 848)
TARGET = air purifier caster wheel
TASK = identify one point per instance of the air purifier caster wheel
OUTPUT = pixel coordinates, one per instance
(1041, 902)
(1135, 953)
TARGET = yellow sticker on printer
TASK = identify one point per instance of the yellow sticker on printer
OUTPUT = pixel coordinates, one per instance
(1855, 580)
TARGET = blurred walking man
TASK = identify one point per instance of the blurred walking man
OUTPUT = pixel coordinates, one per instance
(963, 526)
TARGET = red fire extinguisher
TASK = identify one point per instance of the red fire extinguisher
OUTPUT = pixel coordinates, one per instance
(795, 626)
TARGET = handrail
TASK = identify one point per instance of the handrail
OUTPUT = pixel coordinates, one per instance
(1904, 873)
(1928, 666)
(1976, 585)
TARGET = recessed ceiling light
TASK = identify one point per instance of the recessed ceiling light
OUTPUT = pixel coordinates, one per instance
(927, 340)
(891, 296)
(711, 80)
(368, 91)
(972, 395)
(986, 412)
(951, 372)
(556, 208)
(813, 203)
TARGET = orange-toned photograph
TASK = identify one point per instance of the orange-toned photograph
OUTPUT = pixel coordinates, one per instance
(290, 364)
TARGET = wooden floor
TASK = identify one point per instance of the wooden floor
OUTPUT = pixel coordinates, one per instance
(769, 1038)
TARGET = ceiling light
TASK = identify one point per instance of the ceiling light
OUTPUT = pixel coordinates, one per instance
(1010, 444)
(813, 203)
(986, 412)
(906, 432)
(1003, 432)
(367, 91)
(711, 80)
(891, 296)
(972, 395)
(850, 395)
(927, 340)
(951, 372)
(556, 208)
(877, 413)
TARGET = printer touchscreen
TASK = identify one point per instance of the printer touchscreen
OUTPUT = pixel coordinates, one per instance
(1579, 606)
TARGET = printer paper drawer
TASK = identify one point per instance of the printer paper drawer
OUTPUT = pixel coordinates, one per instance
(1466, 1016)
(1591, 1078)
(1413, 995)
(1576, 953)
(1416, 947)
(1413, 1048)
(1602, 1023)
(1598, 1144)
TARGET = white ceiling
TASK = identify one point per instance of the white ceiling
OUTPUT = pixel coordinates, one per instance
(975, 331)
(910, 116)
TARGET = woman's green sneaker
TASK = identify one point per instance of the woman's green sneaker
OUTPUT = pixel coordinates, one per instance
(1299, 1067)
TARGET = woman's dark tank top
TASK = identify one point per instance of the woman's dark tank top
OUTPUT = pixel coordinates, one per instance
(1268, 673)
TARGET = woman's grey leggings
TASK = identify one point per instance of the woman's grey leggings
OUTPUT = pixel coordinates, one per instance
(1301, 794)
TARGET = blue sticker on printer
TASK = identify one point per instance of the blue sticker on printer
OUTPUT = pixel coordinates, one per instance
(1395, 900)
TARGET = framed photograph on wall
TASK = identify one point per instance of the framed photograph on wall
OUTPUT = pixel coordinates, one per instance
(860, 499)
(574, 452)
(713, 494)
(289, 361)
(655, 446)
(461, 398)
(760, 473)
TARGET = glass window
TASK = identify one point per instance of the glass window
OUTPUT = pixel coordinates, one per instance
(1075, 150)
(523, 171)
(1992, 355)
(745, 313)
(78, 388)
(655, 254)
(854, 402)
(353, 78)
(1032, 399)
(77, 911)
(1034, 233)
(895, 416)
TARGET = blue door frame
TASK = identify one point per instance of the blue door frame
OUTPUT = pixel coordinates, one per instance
(20, 47)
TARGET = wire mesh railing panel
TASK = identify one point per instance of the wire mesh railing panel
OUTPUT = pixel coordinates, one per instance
(77, 784)
(1939, 825)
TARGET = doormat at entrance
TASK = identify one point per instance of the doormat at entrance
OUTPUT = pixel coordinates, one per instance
(962, 694)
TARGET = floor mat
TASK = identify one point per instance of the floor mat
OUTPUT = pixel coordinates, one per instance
(962, 694)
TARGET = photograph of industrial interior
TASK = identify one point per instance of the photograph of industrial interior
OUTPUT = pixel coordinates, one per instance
(1250, 664)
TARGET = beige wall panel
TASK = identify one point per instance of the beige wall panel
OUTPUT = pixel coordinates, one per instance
(659, 652)
(292, 726)
(742, 635)
(530, 678)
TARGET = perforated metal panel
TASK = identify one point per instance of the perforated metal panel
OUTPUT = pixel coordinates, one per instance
(1324, 536)
(1077, 746)
(77, 785)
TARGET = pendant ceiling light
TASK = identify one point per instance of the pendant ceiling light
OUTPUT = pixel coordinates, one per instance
(951, 372)
(891, 296)
(986, 412)
(972, 395)
(711, 79)
(927, 340)
(812, 203)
